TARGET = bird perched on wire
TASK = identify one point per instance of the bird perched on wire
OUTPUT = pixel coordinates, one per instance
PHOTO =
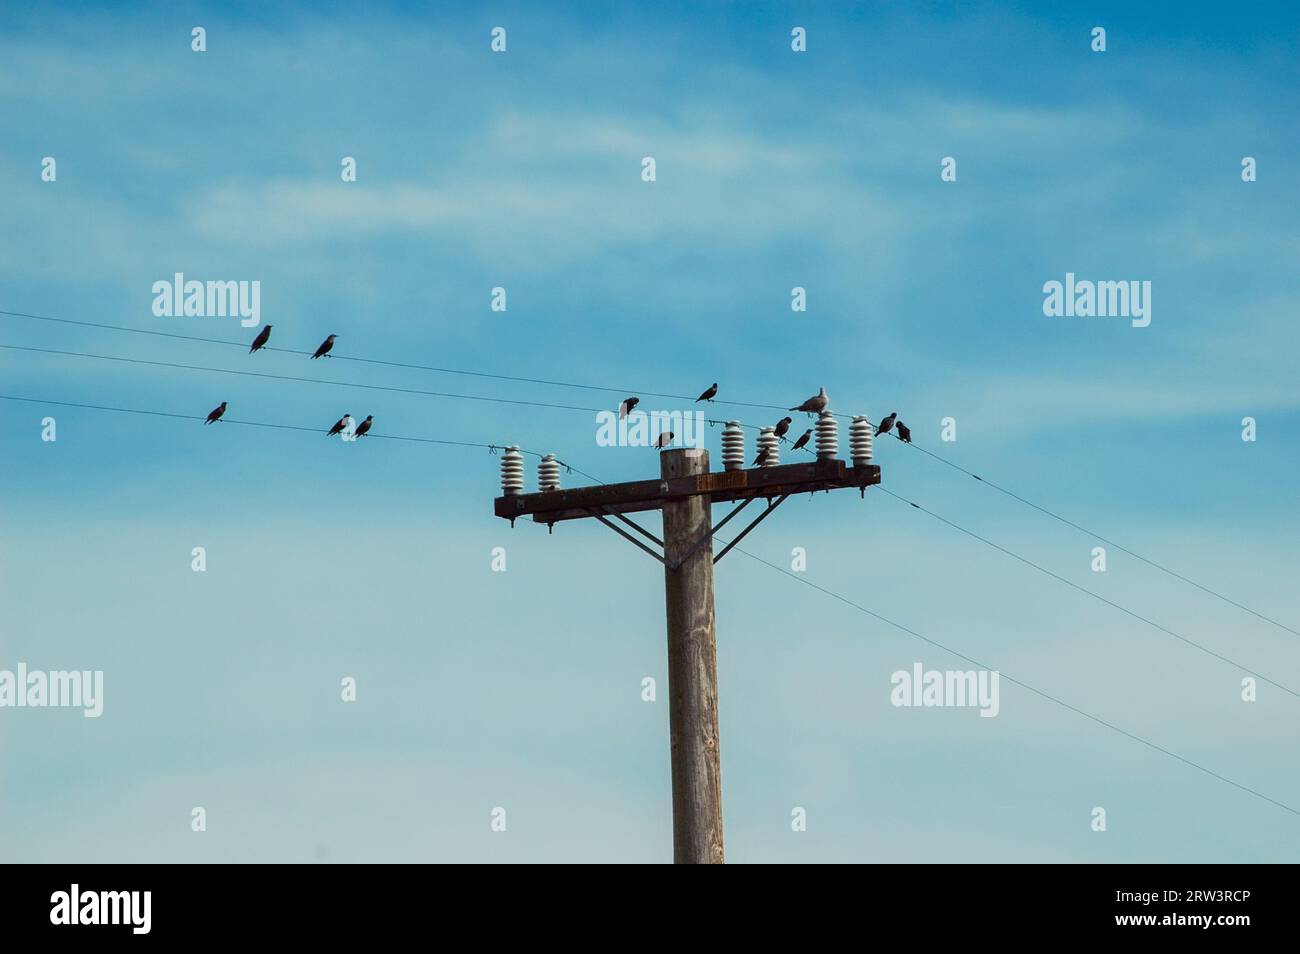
(884, 426)
(709, 394)
(260, 341)
(803, 439)
(339, 425)
(904, 433)
(215, 414)
(782, 426)
(325, 348)
(627, 405)
(664, 439)
(816, 404)
(364, 427)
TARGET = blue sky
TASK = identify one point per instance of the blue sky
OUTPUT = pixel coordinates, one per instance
(522, 689)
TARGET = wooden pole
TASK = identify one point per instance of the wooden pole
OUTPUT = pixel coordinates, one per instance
(692, 667)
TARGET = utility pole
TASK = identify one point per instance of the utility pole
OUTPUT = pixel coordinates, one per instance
(685, 493)
(692, 667)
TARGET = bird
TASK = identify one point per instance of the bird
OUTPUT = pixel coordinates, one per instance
(341, 423)
(709, 394)
(803, 439)
(904, 433)
(782, 426)
(627, 405)
(761, 459)
(364, 427)
(664, 439)
(216, 413)
(325, 347)
(887, 423)
(260, 341)
(814, 405)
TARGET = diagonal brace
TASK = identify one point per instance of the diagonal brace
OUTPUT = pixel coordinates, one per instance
(625, 535)
(757, 520)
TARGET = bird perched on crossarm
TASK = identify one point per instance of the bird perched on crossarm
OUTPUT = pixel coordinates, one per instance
(260, 341)
(709, 394)
(339, 425)
(325, 348)
(215, 414)
(664, 439)
(815, 404)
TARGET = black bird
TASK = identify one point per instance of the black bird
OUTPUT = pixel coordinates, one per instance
(904, 433)
(803, 439)
(364, 427)
(627, 406)
(782, 426)
(762, 457)
(216, 414)
(325, 347)
(341, 423)
(709, 394)
(887, 423)
(664, 439)
(260, 341)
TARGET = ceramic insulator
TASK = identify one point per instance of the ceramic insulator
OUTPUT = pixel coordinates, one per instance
(733, 446)
(860, 440)
(548, 473)
(769, 442)
(512, 471)
(828, 436)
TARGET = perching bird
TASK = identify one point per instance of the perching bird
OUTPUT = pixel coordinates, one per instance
(887, 423)
(762, 457)
(325, 347)
(803, 439)
(260, 341)
(364, 426)
(709, 394)
(216, 413)
(904, 433)
(627, 406)
(814, 405)
(664, 439)
(782, 426)
(341, 423)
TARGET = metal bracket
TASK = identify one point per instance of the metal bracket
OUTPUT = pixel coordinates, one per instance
(627, 536)
(757, 520)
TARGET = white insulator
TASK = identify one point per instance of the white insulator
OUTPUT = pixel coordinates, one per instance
(733, 446)
(769, 447)
(860, 440)
(512, 471)
(548, 473)
(828, 436)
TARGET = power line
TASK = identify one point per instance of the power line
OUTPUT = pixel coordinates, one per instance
(782, 570)
(392, 364)
(1097, 596)
(1025, 685)
(283, 427)
(628, 391)
(1110, 543)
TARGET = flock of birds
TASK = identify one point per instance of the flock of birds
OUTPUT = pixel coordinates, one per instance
(813, 406)
(325, 348)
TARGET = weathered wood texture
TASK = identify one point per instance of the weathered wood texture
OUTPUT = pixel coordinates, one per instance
(692, 668)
